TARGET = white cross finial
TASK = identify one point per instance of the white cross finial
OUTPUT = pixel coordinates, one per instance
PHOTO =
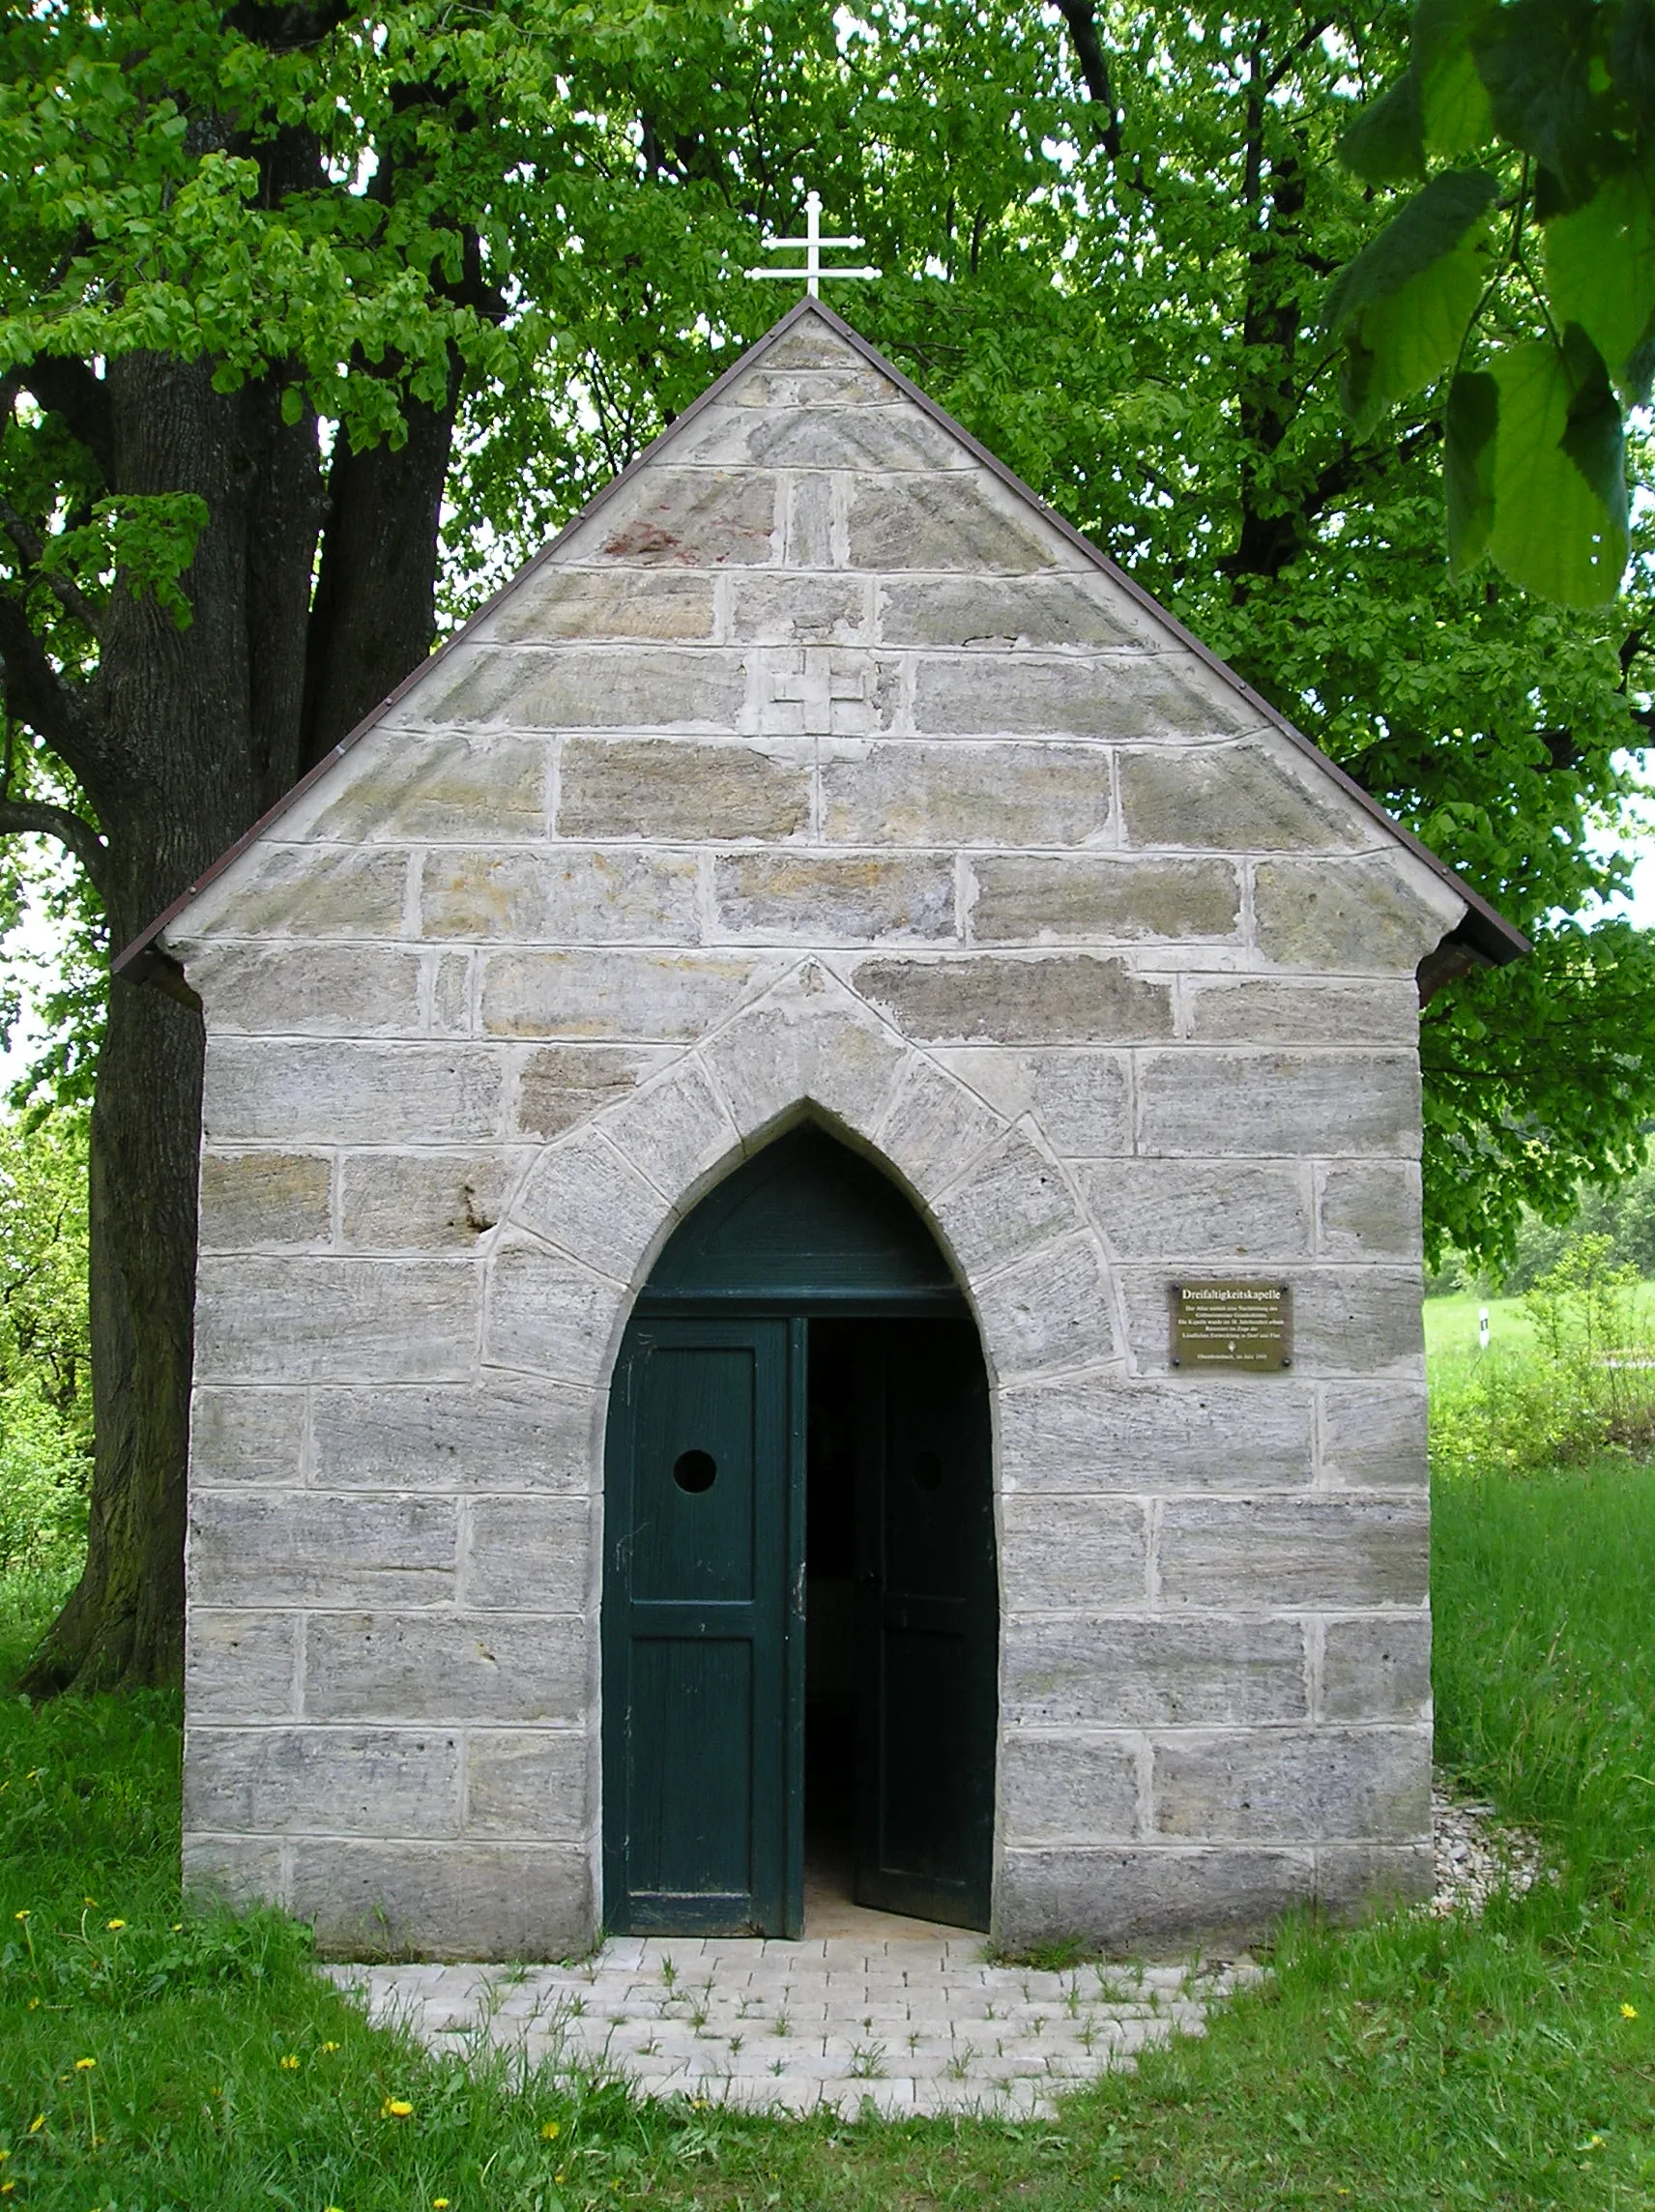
(812, 243)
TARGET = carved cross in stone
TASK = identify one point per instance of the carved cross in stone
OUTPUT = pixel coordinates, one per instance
(817, 686)
(812, 244)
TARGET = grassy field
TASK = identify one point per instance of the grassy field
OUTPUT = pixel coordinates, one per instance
(1451, 1327)
(1413, 2063)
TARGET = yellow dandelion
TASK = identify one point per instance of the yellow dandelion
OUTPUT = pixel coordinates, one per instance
(91, 1902)
(289, 2063)
(178, 1927)
(1629, 2012)
(551, 2131)
(7, 2187)
(439, 2205)
(25, 1915)
(84, 2065)
(113, 1925)
(37, 2123)
(325, 2048)
(34, 2004)
(395, 2109)
(559, 2179)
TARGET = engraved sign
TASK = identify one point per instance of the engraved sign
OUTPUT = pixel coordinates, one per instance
(1246, 1326)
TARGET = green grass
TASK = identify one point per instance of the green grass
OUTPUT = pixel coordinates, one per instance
(1451, 1326)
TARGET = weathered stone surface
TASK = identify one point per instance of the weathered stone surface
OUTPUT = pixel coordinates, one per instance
(1346, 1321)
(444, 1901)
(1293, 1102)
(342, 1782)
(907, 792)
(810, 345)
(506, 1433)
(992, 612)
(1101, 695)
(693, 518)
(562, 1084)
(1186, 1209)
(1038, 899)
(349, 1093)
(584, 994)
(826, 437)
(262, 1199)
(441, 1667)
(848, 382)
(334, 1320)
(1049, 1312)
(799, 610)
(1068, 1788)
(451, 993)
(1270, 1787)
(1238, 799)
(552, 602)
(934, 1126)
(1126, 1899)
(246, 1436)
(565, 896)
(1356, 1880)
(1069, 996)
(547, 1315)
(527, 1783)
(1013, 1201)
(589, 687)
(1363, 915)
(810, 537)
(1152, 1673)
(1082, 1101)
(1323, 1554)
(834, 899)
(417, 789)
(1373, 1435)
(956, 522)
(315, 891)
(233, 1870)
(1257, 1010)
(675, 1132)
(527, 1555)
(1065, 1554)
(1101, 1433)
(811, 1043)
(317, 990)
(239, 1666)
(295, 1547)
(1370, 1212)
(583, 1197)
(1377, 1669)
(421, 1202)
(677, 788)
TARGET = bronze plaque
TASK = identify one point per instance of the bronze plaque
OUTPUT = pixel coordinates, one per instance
(1246, 1326)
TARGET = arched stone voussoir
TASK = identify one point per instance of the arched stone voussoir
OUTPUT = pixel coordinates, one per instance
(809, 1037)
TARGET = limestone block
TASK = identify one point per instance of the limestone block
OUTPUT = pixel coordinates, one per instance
(551, 602)
(527, 1783)
(809, 344)
(1012, 1202)
(1067, 1789)
(679, 788)
(1373, 1435)
(444, 1901)
(348, 1092)
(295, 1547)
(314, 990)
(246, 1436)
(1294, 1102)
(547, 1315)
(419, 789)
(1064, 998)
(443, 1667)
(1377, 1669)
(451, 993)
(560, 1085)
(239, 1666)
(907, 792)
(1149, 1899)
(632, 996)
(527, 1555)
(1267, 1786)
(1164, 696)
(345, 1781)
(808, 534)
(1039, 899)
(799, 610)
(1082, 1101)
(954, 522)
(992, 612)
(507, 1433)
(565, 896)
(334, 1320)
(1246, 1009)
(250, 1200)
(1098, 1432)
(1365, 916)
(238, 1871)
(675, 1132)
(812, 1043)
(833, 899)
(1074, 1672)
(583, 1197)
(1049, 1312)
(895, 438)
(848, 382)
(421, 1202)
(588, 687)
(1356, 1880)
(1369, 1210)
(1346, 1321)
(1238, 799)
(692, 518)
(1325, 1554)
(934, 1126)
(315, 891)
(1187, 1210)
(1068, 1554)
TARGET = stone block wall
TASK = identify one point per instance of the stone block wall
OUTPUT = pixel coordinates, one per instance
(813, 771)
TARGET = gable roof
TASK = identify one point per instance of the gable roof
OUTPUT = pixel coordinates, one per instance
(1483, 937)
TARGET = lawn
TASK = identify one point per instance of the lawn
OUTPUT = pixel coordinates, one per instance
(1451, 1326)
(1412, 2063)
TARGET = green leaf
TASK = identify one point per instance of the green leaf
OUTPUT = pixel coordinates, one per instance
(1595, 440)
(1632, 60)
(292, 404)
(1456, 101)
(1600, 265)
(1408, 340)
(1432, 224)
(1386, 142)
(1554, 532)
(1536, 58)
(1469, 465)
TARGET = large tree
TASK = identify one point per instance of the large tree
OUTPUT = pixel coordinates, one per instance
(316, 320)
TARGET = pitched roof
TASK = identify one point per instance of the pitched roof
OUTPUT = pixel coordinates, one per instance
(1483, 935)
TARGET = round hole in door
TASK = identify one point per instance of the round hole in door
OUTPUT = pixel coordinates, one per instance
(694, 1470)
(928, 1470)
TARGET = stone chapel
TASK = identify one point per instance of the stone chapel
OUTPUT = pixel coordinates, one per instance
(811, 1244)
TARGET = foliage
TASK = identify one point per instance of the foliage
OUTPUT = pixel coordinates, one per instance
(1527, 281)
(45, 1414)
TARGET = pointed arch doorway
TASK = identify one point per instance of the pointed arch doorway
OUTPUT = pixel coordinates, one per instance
(800, 1616)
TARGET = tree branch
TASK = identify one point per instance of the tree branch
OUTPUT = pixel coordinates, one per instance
(1082, 19)
(27, 539)
(68, 387)
(20, 817)
(34, 693)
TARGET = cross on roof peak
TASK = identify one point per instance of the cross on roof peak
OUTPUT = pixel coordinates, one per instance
(812, 244)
